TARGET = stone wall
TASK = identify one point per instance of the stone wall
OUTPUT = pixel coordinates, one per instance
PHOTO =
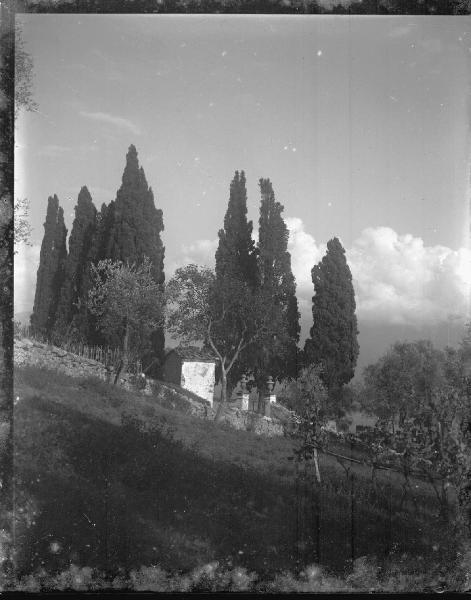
(250, 421)
(32, 352)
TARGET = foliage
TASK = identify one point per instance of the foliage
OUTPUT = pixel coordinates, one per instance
(402, 379)
(361, 7)
(420, 395)
(401, 574)
(72, 309)
(333, 336)
(166, 503)
(105, 219)
(135, 224)
(131, 228)
(236, 255)
(23, 75)
(127, 302)
(227, 316)
(188, 296)
(297, 394)
(310, 400)
(51, 268)
(236, 262)
(127, 230)
(277, 358)
(22, 227)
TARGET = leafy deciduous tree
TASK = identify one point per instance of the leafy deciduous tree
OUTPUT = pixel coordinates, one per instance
(23, 75)
(131, 227)
(400, 380)
(309, 399)
(127, 302)
(22, 227)
(227, 316)
(422, 390)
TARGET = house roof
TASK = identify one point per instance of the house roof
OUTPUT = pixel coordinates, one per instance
(193, 353)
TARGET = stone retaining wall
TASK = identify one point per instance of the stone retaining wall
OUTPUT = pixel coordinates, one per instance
(254, 422)
(32, 352)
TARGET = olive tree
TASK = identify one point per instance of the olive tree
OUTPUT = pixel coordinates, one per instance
(127, 302)
(228, 318)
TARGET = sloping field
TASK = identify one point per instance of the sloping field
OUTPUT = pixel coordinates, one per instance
(109, 479)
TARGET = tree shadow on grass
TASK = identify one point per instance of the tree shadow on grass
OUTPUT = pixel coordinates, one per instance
(116, 497)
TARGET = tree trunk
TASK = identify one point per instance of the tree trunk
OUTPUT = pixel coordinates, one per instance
(126, 348)
(223, 400)
(316, 464)
(123, 365)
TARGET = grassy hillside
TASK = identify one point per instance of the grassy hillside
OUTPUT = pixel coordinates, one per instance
(111, 480)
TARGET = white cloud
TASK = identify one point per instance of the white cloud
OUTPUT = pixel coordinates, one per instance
(200, 253)
(26, 266)
(305, 253)
(399, 280)
(119, 122)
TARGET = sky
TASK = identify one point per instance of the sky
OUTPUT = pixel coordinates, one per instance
(361, 123)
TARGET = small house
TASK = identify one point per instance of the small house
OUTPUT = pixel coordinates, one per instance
(193, 369)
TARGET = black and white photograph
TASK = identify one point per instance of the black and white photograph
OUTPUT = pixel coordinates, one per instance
(242, 319)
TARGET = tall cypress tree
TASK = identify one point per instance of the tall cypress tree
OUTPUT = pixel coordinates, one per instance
(236, 255)
(104, 222)
(51, 269)
(131, 228)
(333, 336)
(278, 358)
(72, 304)
(135, 227)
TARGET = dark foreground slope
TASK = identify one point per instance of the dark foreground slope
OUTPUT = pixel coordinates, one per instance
(113, 481)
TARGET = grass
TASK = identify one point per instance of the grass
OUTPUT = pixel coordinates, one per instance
(106, 479)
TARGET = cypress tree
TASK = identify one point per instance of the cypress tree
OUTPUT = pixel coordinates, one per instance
(101, 238)
(134, 222)
(333, 336)
(278, 358)
(72, 305)
(51, 269)
(131, 228)
(236, 255)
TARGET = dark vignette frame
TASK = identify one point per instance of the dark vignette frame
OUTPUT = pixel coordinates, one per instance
(8, 10)
(7, 124)
(289, 7)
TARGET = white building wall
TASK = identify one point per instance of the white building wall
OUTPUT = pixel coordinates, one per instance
(198, 377)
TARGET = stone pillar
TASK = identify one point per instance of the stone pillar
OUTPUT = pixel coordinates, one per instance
(271, 397)
(244, 395)
(267, 408)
